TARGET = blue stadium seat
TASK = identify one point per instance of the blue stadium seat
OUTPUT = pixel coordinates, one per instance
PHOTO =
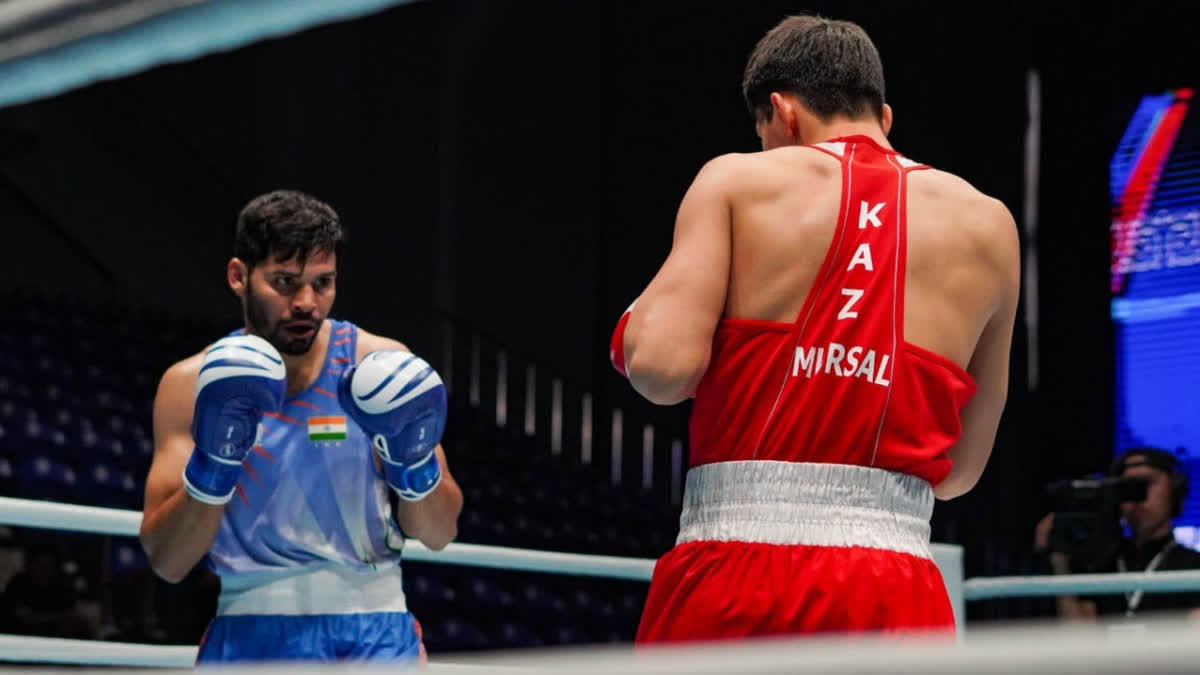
(94, 443)
(457, 635)
(139, 455)
(10, 363)
(473, 525)
(13, 389)
(483, 594)
(566, 635)
(581, 601)
(541, 601)
(629, 607)
(110, 402)
(525, 531)
(66, 419)
(57, 395)
(127, 558)
(97, 485)
(104, 485)
(509, 635)
(122, 426)
(427, 591)
(44, 478)
(7, 473)
(134, 491)
(33, 436)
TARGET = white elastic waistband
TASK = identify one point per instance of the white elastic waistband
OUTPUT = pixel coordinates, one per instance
(809, 504)
(323, 591)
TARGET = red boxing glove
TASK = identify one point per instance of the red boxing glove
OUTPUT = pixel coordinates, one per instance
(616, 348)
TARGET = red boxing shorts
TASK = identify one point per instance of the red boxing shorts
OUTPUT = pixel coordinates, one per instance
(773, 548)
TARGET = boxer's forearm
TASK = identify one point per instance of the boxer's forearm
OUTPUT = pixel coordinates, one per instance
(178, 533)
(434, 519)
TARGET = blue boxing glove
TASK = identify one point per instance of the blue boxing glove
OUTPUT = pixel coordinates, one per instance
(400, 401)
(241, 377)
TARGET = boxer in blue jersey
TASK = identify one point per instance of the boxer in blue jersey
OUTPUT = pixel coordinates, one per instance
(276, 450)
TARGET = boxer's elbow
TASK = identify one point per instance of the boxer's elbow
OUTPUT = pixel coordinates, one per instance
(434, 520)
(667, 376)
(954, 486)
(439, 538)
(169, 574)
(445, 529)
(961, 480)
(168, 568)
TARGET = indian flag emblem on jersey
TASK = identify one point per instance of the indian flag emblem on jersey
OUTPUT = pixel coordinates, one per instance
(327, 428)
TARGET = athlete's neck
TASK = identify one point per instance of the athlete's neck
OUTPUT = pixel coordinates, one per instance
(819, 132)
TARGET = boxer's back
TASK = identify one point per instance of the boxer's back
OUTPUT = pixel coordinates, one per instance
(782, 233)
(780, 359)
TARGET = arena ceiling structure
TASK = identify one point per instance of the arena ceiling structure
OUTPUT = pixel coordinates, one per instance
(49, 47)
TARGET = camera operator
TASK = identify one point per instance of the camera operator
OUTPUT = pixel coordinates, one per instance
(1150, 547)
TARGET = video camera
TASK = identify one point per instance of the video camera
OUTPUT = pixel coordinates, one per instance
(1087, 514)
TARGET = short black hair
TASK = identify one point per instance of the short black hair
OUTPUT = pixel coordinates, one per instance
(1163, 460)
(286, 224)
(831, 66)
(1149, 456)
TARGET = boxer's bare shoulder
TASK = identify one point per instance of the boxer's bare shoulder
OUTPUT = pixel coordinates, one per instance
(369, 342)
(952, 224)
(766, 175)
(977, 214)
(176, 390)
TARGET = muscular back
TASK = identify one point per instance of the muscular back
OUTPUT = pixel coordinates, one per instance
(785, 216)
(752, 235)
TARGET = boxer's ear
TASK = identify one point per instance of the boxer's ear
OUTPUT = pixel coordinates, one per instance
(238, 276)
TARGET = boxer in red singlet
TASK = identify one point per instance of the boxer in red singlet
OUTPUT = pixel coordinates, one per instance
(842, 316)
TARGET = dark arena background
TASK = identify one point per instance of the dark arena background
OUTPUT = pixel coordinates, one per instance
(508, 173)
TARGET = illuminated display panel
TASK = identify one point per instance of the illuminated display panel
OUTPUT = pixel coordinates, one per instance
(1155, 283)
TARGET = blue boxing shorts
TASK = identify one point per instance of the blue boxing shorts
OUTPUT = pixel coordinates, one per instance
(380, 637)
(324, 615)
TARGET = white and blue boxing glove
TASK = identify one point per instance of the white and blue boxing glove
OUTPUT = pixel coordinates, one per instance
(400, 401)
(241, 377)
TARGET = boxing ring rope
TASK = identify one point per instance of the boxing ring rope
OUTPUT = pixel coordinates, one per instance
(27, 649)
(1080, 584)
(125, 523)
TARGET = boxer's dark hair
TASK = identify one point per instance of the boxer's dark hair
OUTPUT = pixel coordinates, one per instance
(831, 66)
(286, 224)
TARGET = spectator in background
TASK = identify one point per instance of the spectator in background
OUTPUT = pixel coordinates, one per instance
(40, 600)
(1150, 547)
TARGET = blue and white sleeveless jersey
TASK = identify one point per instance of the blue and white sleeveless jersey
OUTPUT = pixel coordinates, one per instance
(310, 496)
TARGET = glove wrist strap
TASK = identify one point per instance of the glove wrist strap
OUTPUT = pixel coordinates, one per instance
(210, 480)
(416, 481)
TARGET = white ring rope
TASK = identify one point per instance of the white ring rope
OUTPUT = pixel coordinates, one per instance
(1080, 584)
(96, 520)
(54, 515)
(59, 516)
(27, 649)
(526, 560)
